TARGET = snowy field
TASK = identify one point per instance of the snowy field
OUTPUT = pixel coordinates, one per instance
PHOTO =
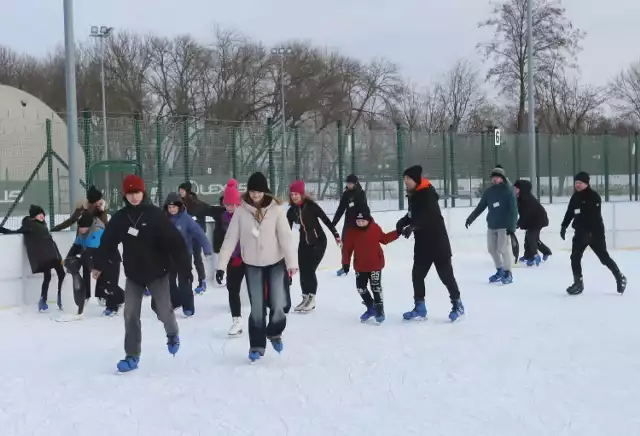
(527, 360)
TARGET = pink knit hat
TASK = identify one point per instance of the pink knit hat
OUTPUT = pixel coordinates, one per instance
(231, 193)
(297, 187)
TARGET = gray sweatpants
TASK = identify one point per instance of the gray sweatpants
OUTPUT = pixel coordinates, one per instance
(499, 247)
(133, 295)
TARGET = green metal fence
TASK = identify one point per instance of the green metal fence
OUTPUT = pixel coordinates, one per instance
(170, 151)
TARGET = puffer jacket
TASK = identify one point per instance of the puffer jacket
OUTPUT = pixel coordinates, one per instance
(188, 228)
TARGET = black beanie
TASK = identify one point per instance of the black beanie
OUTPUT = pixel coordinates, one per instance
(35, 210)
(85, 220)
(414, 173)
(364, 213)
(258, 182)
(93, 195)
(186, 186)
(583, 177)
(352, 178)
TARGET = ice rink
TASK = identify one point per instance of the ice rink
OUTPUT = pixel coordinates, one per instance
(527, 360)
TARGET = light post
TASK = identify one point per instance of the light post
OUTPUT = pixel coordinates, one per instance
(103, 32)
(531, 98)
(282, 52)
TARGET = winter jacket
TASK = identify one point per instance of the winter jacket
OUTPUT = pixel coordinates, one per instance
(532, 213)
(503, 209)
(262, 243)
(187, 227)
(351, 201)
(75, 215)
(585, 211)
(224, 221)
(42, 250)
(86, 244)
(308, 216)
(197, 209)
(427, 223)
(150, 243)
(365, 242)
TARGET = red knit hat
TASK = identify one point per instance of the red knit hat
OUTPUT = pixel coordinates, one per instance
(297, 187)
(131, 184)
(231, 193)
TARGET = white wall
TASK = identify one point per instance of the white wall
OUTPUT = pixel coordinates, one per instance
(622, 220)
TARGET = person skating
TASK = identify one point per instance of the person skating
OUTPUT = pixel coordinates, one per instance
(532, 219)
(585, 211)
(90, 232)
(267, 246)
(431, 247)
(150, 243)
(363, 241)
(353, 198)
(198, 210)
(305, 214)
(235, 270)
(502, 216)
(192, 233)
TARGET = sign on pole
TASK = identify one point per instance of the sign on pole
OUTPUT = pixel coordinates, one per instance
(497, 137)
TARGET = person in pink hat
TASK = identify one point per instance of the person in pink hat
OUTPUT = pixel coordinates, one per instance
(235, 268)
(305, 215)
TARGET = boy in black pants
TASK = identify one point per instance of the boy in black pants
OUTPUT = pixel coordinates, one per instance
(585, 212)
(533, 218)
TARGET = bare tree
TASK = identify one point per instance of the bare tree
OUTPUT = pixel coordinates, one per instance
(555, 40)
(625, 91)
(460, 92)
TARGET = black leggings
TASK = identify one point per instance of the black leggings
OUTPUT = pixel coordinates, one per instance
(235, 275)
(47, 280)
(309, 258)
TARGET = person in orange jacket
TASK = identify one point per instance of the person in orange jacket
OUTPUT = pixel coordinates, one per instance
(364, 241)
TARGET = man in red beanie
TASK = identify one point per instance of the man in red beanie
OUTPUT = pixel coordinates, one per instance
(149, 244)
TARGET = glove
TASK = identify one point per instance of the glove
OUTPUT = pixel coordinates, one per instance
(338, 240)
(467, 223)
(511, 232)
(219, 276)
(406, 232)
(345, 268)
(290, 281)
(399, 227)
(563, 232)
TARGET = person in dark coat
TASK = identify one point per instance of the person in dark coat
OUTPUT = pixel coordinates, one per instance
(585, 211)
(432, 247)
(305, 215)
(353, 199)
(532, 219)
(150, 244)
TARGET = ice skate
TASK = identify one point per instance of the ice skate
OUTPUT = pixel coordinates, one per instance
(370, 313)
(187, 313)
(110, 312)
(457, 310)
(621, 284)
(127, 364)
(535, 261)
(379, 309)
(299, 307)
(507, 278)
(577, 287)
(276, 343)
(201, 288)
(173, 344)
(236, 327)
(309, 305)
(341, 272)
(419, 312)
(497, 277)
(42, 305)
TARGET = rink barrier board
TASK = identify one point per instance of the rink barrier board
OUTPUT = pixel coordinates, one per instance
(20, 287)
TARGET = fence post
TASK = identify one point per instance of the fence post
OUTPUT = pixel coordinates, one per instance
(86, 126)
(630, 157)
(340, 153)
(483, 157)
(400, 160)
(636, 145)
(454, 179)
(353, 150)
(550, 175)
(538, 189)
(52, 216)
(296, 151)
(445, 171)
(138, 139)
(579, 154)
(271, 163)
(605, 152)
(574, 154)
(159, 160)
(517, 156)
(234, 153)
(185, 148)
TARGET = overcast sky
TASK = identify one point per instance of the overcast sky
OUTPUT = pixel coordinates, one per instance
(423, 36)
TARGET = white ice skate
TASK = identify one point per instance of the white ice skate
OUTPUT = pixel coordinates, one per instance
(236, 327)
(309, 305)
(305, 299)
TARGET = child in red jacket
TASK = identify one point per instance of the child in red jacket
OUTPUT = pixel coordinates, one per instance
(364, 241)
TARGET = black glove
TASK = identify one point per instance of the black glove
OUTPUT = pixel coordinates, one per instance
(406, 232)
(345, 268)
(467, 223)
(563, 232)
(219, 276)
(399, 227)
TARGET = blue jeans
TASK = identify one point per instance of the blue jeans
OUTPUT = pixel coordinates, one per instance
(268, 286)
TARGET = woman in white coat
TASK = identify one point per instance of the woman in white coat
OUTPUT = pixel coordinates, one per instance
(269, 252)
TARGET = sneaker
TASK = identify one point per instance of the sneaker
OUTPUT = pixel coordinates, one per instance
(299, 307)
(457, 310)
(497, 276)
(310, 304)
(173, 344)
(236, 327)
(129, 363)
(419, 312)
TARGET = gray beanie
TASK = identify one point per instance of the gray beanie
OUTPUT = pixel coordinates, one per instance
(499, 172)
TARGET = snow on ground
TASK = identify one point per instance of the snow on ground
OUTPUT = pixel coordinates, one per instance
(528, 360)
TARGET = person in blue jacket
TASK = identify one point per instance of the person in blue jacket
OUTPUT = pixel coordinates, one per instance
(500, 199)
(181, 291)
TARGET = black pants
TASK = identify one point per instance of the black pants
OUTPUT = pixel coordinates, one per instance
(444, 268)
(235, 275)
(598, 244)
(375, 279)
(198, 262)
(107, 286)
(309, 258)
(533, 244)
(44, 293)
(181, 292)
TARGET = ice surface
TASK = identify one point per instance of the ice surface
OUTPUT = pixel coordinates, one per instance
(528, 360)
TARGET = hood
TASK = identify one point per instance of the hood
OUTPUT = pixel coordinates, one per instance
(172, 197)
(524, 186)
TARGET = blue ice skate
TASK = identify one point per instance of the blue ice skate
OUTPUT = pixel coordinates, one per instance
(42, 305)
(457, 310)
(370, 313)
(380, 319)
(277, 344)
(147, 292)
(522, 259)
(341, 273)
(202, 287)
(129, 363)
(187, 313)
(497, 277)
(59, 302)
(545, 257)
(109, 312)
(419, 312)
(507, 278)
(173, 344)
(535, 261)
(254, 356)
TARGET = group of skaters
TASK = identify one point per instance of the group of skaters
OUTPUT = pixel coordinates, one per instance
(254, 240)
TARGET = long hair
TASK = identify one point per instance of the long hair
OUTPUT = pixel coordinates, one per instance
(266, 201)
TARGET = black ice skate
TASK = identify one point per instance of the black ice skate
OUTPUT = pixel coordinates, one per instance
(622, 284)
(577, 287)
